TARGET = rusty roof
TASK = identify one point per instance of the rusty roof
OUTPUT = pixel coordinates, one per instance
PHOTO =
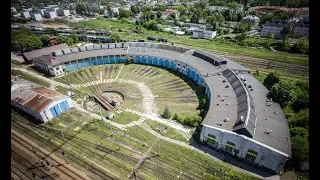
(37, 98)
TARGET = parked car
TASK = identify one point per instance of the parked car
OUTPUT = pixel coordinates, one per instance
(141, 40)
(152, 38)
(163, 40)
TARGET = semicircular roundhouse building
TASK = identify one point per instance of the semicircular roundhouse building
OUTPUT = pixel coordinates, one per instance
(240, 120)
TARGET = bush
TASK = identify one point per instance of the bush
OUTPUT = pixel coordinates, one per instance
(241, 27)
(272, 79)
(284, 93)
(240, 37)
(166, 113)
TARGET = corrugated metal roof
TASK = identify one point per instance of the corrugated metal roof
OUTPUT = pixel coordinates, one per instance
(44, 51)
(35, 99)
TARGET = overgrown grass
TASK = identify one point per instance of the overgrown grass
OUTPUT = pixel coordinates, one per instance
(214, 46)
(29, 77)
(173, 158)
(125, 118)
(171, 133)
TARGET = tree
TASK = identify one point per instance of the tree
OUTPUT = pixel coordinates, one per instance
(115, 37)
(179, 117)
(51, 31)
(233, 5)
(299, 131)
(272, 79)
(124, 13)
(63, 39)
(300, 148)
(300, 119)
(166, 113)
(283, 93)
(219, 18)
(74, 37)
(134, 9)
(285, 32)
(115, 14)
(241, 27)
(25, 40)
(301, 46)
(240, 37)
(194, 19)
(159, 14)
(152, 25)
(162, 7)
(173, 15)
(124, 20)
(45, 38)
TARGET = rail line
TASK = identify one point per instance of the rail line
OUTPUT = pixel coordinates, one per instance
(56, 163)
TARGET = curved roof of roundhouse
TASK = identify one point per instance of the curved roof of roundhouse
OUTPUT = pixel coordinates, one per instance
(254, 101)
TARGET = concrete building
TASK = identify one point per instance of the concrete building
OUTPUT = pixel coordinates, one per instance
(41, 11)
(36, 17)
(29, 56)
(40, 102)
(199, 34)
(50, 14)
(63, 12)
(25, 14)
(241, 120)
(300, 28)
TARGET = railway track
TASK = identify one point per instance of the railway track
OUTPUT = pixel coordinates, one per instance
(58, 165)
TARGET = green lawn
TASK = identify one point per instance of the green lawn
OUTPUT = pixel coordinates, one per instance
(29, 78)
(125, 118)
(214, 46)
(171, 133)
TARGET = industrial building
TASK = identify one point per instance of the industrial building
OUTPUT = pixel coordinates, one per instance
(29, 56)
(63, 12)
(199, 34)
(36, 17)
(40, 102)
(241, 120)
(50, 14)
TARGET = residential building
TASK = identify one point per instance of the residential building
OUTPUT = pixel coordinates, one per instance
(201, 26)
(25, 14)
(29, 56)
(300, 28)
(252, 18)
(209, 34)
(36, 17)
(197, 34)
(40, 102)
(115, 10)
(50, 14)
(63, 12)
(41, 11)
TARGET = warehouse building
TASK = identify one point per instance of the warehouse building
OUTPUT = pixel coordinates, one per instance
(241, 120)
(29, 56)
(36, 17)
(40, 102)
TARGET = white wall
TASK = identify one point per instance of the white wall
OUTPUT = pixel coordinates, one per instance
(266, 157)
(46, 113)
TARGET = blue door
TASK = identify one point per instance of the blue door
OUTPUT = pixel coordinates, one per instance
(124, 60)
(155, 61)
(161, 62)
(57, 109)
(94, 61)
(189, 72)
(74, 65)
(149, 60)
(81, 64)
(167, 64)
(117, 59)
(66, 105)
(138, 59)
(144, 60)
(87, 63)
(53, 112)
(172, 65)
(99, 61)
(68, 67)
(111, 59)
(193, 74)
(105, 60)
(62, 107)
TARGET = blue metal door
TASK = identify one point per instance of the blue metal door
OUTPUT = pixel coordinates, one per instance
(149, 60)
(66, 105)
(63, 109)
(53, 112)
(172, 65)
(57, 109)
(144, 60)
(167, 64)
